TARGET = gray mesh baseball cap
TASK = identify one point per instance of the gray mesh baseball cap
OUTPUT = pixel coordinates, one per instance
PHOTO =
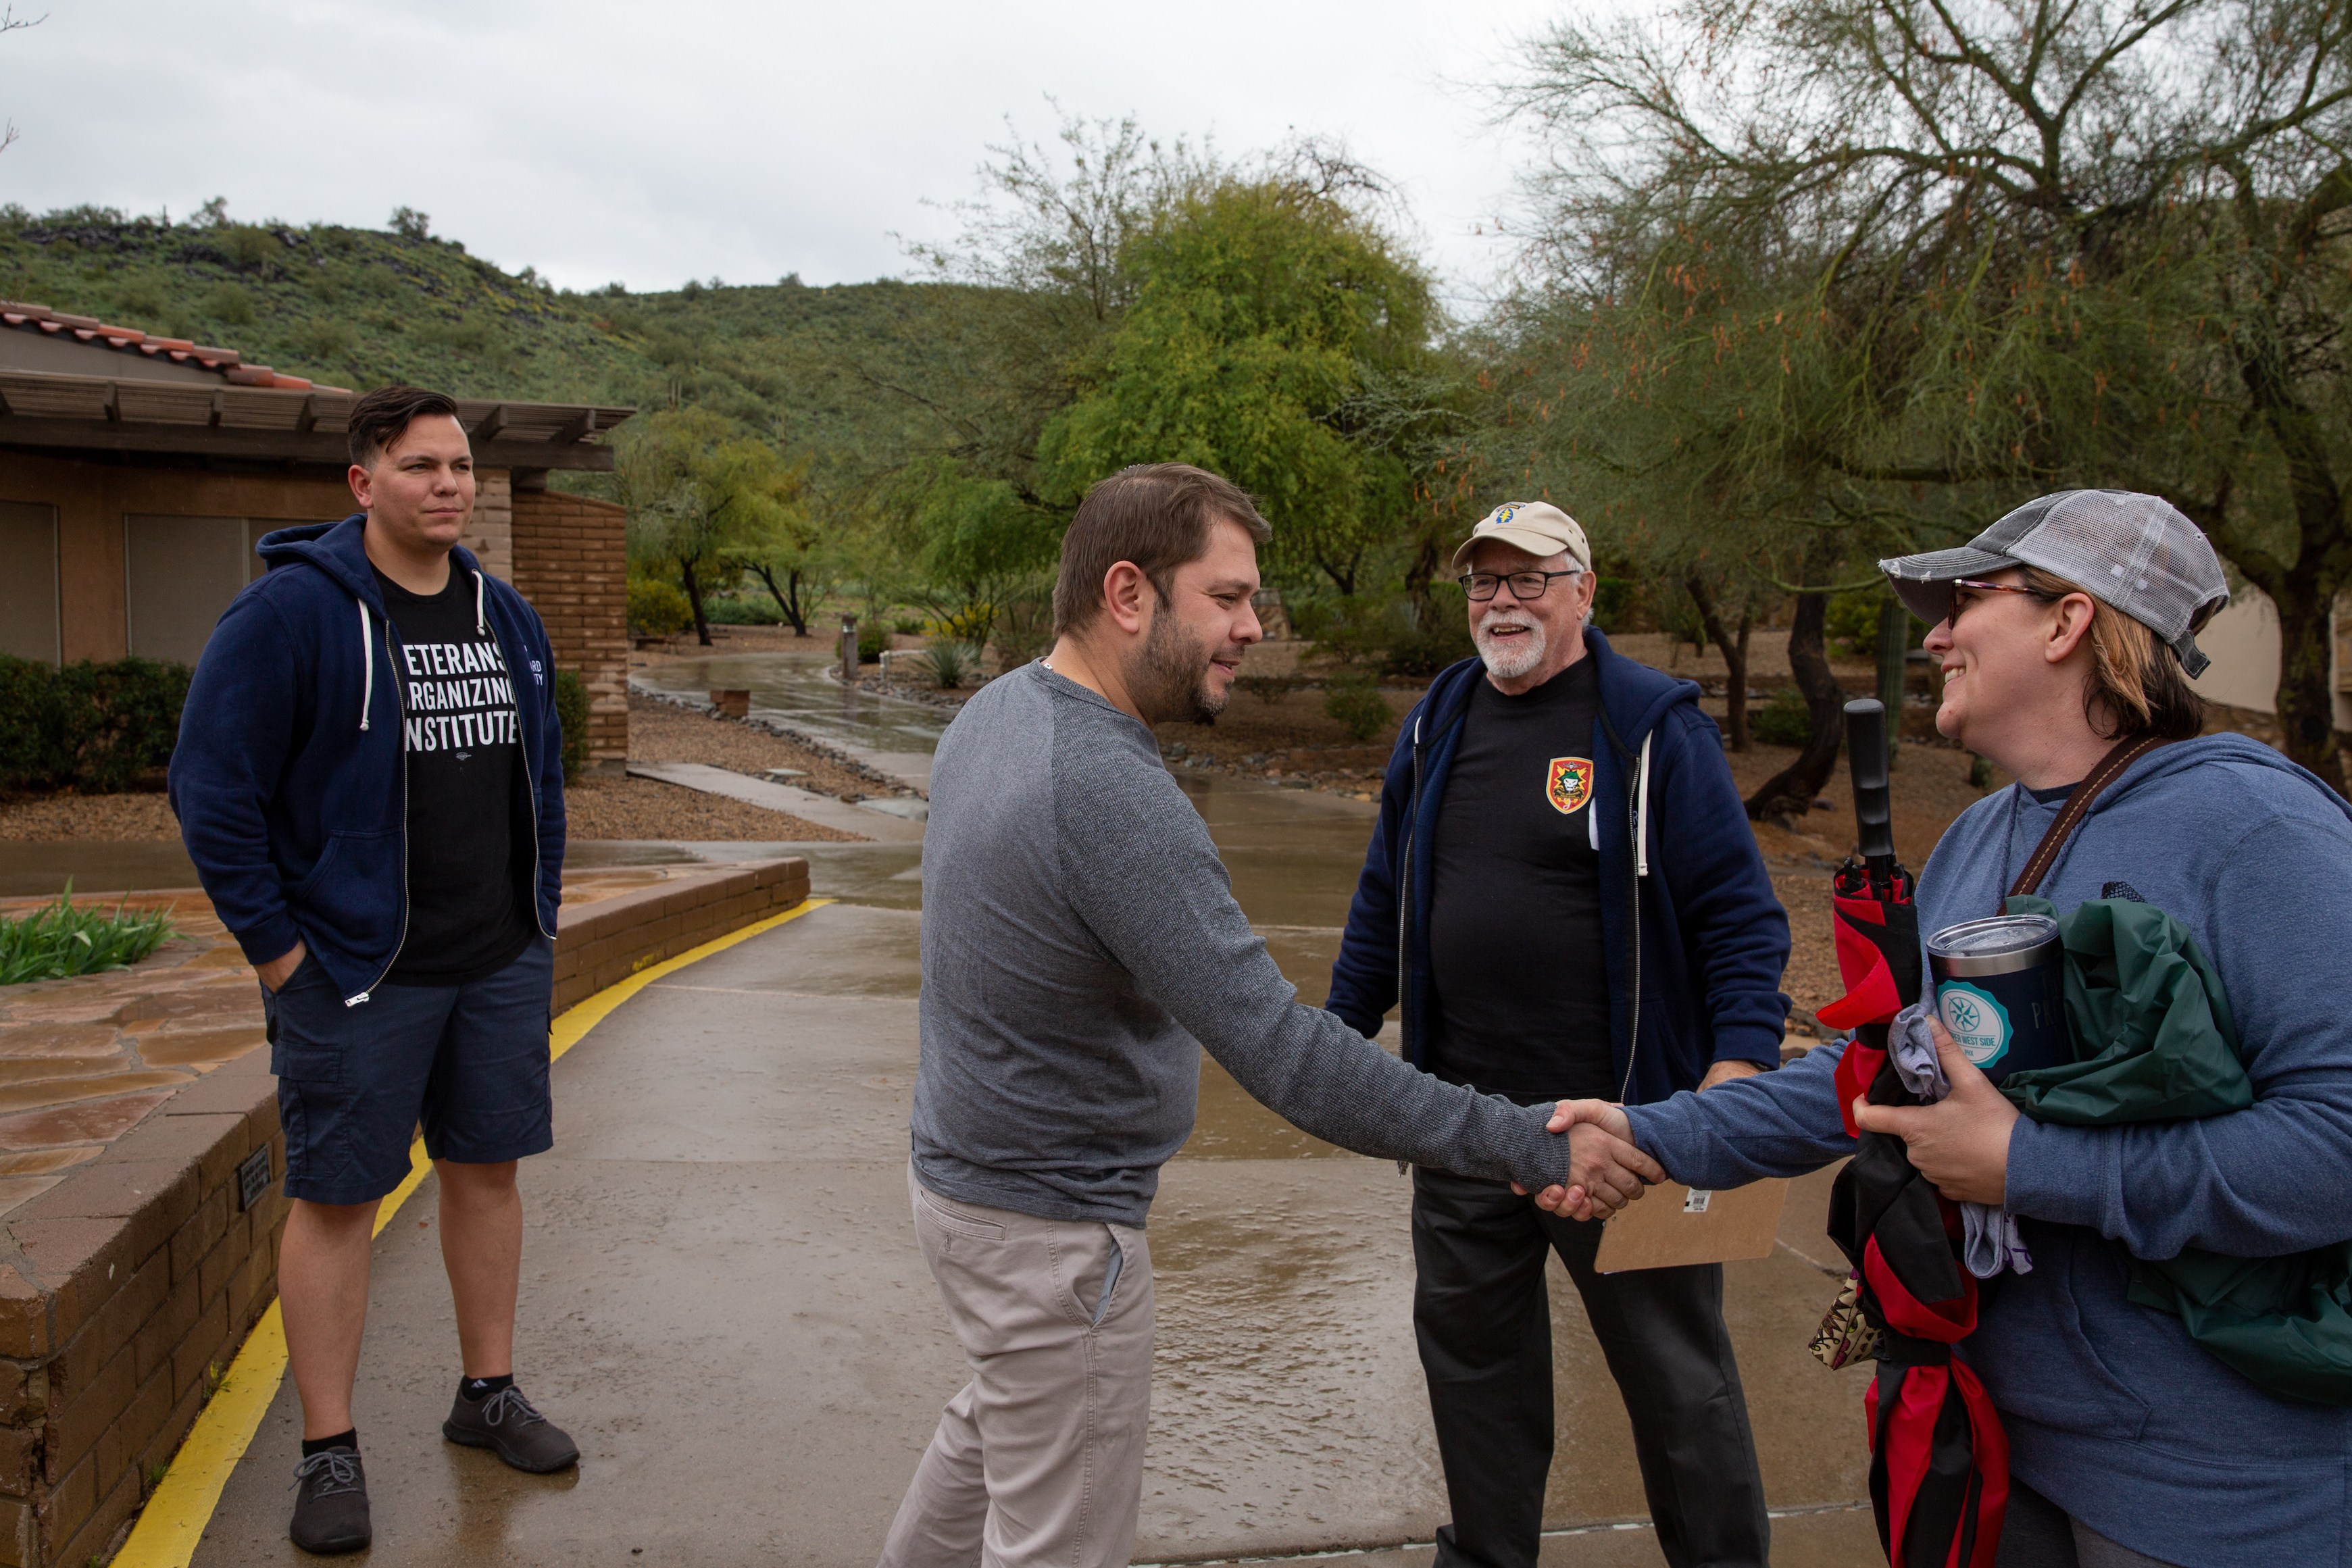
(2136, 552)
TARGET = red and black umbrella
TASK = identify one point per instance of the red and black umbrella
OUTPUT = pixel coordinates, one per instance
(1939, 1460)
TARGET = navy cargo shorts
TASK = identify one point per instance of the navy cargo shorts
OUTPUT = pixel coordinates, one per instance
(469, 1062)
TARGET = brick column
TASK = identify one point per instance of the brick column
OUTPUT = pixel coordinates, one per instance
(490, 536)
(570, 560)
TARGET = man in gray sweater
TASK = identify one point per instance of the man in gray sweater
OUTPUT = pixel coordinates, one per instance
(1080, 945)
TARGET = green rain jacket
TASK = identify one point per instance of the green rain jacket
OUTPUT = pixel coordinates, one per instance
(2154, 1043)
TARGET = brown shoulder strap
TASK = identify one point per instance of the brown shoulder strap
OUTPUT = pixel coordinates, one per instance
(2078, 806)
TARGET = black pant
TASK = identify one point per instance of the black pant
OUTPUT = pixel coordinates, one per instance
(2038, 1533)
(1483, 1320)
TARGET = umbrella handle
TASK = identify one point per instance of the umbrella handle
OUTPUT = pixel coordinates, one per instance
(1866, 751)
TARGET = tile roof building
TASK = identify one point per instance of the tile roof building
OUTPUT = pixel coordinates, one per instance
(136, 472)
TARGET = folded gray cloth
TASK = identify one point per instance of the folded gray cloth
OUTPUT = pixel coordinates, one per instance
(1991, 1242)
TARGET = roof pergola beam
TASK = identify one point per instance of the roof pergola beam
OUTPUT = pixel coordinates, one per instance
(294, 446)
(102, 414)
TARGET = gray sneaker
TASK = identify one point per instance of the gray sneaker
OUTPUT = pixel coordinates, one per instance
(505, 1423)
(330, 1504)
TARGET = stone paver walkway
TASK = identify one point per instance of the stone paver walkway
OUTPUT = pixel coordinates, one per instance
(85, 1060)
(887, 820)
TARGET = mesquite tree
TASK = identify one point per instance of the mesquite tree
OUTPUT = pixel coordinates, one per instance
(1892, 266)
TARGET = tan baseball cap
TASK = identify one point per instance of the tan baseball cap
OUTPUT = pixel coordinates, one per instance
(1537, 527)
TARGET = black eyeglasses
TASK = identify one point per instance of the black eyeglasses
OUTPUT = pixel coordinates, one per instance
(1524, 585)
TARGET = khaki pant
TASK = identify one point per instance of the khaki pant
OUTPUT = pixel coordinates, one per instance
(1040, 1459)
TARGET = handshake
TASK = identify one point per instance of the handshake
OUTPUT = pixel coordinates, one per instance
(1606, 1172)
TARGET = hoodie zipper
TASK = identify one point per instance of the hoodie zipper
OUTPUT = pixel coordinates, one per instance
(1626, 760)
(400, 750)
(530, 781)
(1405, 915)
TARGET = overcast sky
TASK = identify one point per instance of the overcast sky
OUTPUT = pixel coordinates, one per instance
(654, 142)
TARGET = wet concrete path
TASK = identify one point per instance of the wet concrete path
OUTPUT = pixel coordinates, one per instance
(723, 1303)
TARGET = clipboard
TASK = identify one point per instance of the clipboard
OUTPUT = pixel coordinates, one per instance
(1673, 1225)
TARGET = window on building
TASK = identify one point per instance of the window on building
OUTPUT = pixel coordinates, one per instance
(28, 581)
(180, 574)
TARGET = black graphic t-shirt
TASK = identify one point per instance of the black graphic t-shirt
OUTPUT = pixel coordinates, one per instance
(1520, 979)
(469, 863)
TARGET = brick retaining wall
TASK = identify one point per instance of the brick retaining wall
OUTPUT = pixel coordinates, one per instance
(606, 942)
(570, 560)
(128, 1286)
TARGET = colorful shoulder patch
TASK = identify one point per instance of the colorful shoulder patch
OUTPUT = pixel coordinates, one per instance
(1568, 785)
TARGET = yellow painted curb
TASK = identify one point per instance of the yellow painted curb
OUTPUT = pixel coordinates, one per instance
(174, 1521)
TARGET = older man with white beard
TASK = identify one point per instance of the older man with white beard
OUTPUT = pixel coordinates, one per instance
(1566, 872)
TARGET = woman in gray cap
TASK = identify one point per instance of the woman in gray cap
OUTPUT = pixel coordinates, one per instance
(2067, 636)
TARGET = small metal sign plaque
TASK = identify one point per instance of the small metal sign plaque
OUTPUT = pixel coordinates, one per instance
(252, 1179)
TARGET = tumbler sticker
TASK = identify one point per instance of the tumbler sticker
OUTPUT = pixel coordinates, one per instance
(1980, 1025)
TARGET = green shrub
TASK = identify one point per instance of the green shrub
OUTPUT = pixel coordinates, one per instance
(907, 626)
(1613, 599)
(741, 610)
(1349, 629)
(657, 609)
(139, 301)
(1783, 720)
(58, 940)
(1850, 624)
(1398, 635)
(1270, 689)
(1355, 703)
(572, 713)
(952, 663)
(324, 341)
(248, 246)
(101, 728)
(872, 638)
(1426, 643)
(229, 303)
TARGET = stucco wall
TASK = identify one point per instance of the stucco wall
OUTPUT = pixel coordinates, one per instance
(2242, 640)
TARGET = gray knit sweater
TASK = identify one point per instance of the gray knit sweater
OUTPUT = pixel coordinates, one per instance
(1081, 944)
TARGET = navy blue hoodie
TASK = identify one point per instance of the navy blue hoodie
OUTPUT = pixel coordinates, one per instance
(1695, 937)
(287, 779)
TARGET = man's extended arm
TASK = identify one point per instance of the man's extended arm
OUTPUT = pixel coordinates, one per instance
(1149, 883)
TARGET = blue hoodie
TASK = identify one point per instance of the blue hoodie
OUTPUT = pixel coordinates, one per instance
(288, 779)
(1694, 936)
(2113, 1412)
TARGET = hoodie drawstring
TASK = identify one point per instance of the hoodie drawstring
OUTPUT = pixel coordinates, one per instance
(367, 662)
(480, 581)
(1642, 815)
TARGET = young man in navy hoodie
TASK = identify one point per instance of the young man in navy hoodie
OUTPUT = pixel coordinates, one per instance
(369, 780)
(1564, 864)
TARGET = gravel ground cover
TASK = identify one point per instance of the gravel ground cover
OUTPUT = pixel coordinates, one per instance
(649, 809)
(110, 818)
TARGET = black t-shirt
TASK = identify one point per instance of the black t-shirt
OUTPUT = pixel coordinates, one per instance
(470, 864)
(1520, 979)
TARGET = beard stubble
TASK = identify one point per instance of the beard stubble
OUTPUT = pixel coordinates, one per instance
(1169, 681)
